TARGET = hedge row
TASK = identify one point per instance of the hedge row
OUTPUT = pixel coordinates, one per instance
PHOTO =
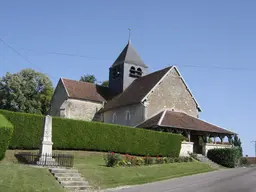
(27, 129)
(83, 135)
(228, 157)
(6, 130)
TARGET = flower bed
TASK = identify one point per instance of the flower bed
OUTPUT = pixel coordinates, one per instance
(114, 159)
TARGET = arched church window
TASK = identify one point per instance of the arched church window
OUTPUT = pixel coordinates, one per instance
(114, 118)
(127, 116)
(139, 72)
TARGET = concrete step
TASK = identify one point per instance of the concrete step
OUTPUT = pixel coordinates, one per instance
(70, 178)
(66, 174)
(74, 183)
(59, 170)
(77, 188)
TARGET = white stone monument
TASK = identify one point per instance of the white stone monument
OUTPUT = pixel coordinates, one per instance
(46, 145)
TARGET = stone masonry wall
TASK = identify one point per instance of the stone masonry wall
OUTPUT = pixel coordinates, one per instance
(136, 114)
(186, 148)
(171, 93)
(82, 110)
(60, 95)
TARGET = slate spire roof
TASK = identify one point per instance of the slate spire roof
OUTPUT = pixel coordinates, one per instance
(129, 55)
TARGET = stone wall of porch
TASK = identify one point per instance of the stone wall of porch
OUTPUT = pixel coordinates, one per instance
(192, 143)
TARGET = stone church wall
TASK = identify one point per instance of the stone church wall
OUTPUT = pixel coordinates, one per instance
(171, 93)
(79, 109)
(136, 115)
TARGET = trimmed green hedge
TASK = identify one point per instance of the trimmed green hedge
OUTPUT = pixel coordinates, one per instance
(83, 135)
(6, 130)
(228, 157)
(27, 129)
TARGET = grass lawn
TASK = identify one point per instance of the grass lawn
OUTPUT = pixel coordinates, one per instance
(16, 177)
(21, 178)
(91, 166)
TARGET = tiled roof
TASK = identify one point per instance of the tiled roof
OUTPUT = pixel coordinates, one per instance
(135, 92)
(182, 121)
(86, 91)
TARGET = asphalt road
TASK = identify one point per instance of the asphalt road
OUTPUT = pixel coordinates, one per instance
(226, 180)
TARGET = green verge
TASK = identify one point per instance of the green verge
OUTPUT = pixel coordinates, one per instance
(22, 178)
(91, 166)
(6, 130)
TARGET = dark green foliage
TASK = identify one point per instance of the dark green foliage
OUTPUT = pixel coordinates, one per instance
(88, 78)
(6, 130)
(27, 129)
(74, 134)
(244, 161)
(148, 160)
(237, 143)
(83, 135)
(26, 91)
(111, 159)
(228, 157)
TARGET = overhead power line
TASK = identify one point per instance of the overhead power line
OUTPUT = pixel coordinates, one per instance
(179, 65)
(14, 50)
(65, 54)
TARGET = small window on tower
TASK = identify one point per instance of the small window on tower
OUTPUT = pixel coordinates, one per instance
(139, 72)
(132, 71)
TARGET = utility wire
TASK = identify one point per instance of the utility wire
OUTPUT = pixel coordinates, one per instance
(180, 65)
(66, 54)
(10, 47)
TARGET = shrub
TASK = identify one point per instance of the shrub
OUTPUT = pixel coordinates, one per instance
(6, 130)
(83, 135)
(159, 160)
(148, 160)
(227, 157)
(244, 161)
(166, 160)
(112, 159)
(171, 160)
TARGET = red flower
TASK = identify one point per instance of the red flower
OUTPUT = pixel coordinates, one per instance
(112, 153)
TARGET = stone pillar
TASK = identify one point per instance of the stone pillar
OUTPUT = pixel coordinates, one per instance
(214, 140)
(46, 145)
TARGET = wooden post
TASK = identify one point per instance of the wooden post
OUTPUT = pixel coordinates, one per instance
(221, 138)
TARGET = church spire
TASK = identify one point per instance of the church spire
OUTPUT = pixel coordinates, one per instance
(130, 56)
(129, 39)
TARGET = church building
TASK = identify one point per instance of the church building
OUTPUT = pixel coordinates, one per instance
(160, 100)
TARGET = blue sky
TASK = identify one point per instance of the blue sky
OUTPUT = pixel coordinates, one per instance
(212, 42)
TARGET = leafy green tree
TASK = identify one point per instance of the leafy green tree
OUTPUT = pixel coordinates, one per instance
(88, 78)
(26, 91)
(104, 83)
(237, 143)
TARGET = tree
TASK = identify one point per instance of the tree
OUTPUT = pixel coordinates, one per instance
(88, 78)
(237, 143)
(26, 91)
(105, 83)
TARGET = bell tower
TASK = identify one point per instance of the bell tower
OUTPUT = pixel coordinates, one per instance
(127, 67)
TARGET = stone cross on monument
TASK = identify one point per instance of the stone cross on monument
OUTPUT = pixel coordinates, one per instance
(46, 143)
